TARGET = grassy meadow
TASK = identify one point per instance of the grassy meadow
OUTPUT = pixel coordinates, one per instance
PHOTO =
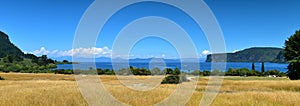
(61, 90)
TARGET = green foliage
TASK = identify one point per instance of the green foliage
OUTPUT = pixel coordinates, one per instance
(272, 72)
(139, 71)
(256, 54)
(168, 71)
(109, 72)
(65, 61)
(217, 73)
(253, 66)
(241, 72)
(101, 72)
(176, 71)
(156, 71)
(123, 71)
(206, 73)
(292, 47)
(51, 66)
(63, 71)
(15, 64)
(256, 73)
(263, 68)
(171, 79)
(232, 72)
(30, 56)
(292, 54)
(196, 72)
(294, 71)
(44, 60)
(276, 73)
(14, 60)
(7, 48)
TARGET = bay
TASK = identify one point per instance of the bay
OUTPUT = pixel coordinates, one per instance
(186, 66)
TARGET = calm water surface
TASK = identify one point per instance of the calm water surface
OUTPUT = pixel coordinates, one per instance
(187, 66)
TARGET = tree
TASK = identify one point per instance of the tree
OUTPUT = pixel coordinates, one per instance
(156, 71)
(168, 71)
(100, 71)
(50, 61)
(206, 73)
(171, 79)
(273, 72)
(8, 59)
(292, 55)
(232, 72)
(293, 70)
(65, 61)
(253, 66)
(176, 71)
(217, 73)
(51, 66)
(196, 72)
(263, 68)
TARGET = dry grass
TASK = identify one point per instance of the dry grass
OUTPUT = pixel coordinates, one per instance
(61, 90)
(40, 93)
(39, 76)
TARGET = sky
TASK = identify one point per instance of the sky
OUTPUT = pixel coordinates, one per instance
(49, 26)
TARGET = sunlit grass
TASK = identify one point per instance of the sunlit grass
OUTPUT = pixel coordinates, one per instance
(61, 90)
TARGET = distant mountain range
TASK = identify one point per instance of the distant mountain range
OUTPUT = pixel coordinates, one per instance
(107, 59)
(255, 54)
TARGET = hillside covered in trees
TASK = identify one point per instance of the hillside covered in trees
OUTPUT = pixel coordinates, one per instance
(255, 54)
(12, 59)
(7, 47)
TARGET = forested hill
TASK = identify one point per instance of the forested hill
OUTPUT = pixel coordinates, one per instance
(7, 48)
(255, 54)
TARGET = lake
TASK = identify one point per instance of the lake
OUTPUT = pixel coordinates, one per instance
(188, 66)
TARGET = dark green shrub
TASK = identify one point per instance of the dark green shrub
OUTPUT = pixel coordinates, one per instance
(263, 68)
(168, 71)
(1, 78)
(206, 73)
(273, 72)
(171, 79)
(176, 71)
(281, 74)
(196, 72)
(292, 54)
(294, 72)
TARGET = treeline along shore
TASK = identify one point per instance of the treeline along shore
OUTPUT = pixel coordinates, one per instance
(156, 71)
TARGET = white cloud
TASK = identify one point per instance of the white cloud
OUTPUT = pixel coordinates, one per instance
(205, 52)
(80, 52)
(235, 51)
(42, 51)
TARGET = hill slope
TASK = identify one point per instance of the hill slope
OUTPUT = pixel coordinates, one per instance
(7, 47)
(256, 54)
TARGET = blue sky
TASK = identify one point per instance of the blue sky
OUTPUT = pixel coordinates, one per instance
(48, 26)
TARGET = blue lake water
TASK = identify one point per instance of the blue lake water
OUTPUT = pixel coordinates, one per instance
(186, 66)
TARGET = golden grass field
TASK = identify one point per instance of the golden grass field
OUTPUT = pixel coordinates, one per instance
(61, 90)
